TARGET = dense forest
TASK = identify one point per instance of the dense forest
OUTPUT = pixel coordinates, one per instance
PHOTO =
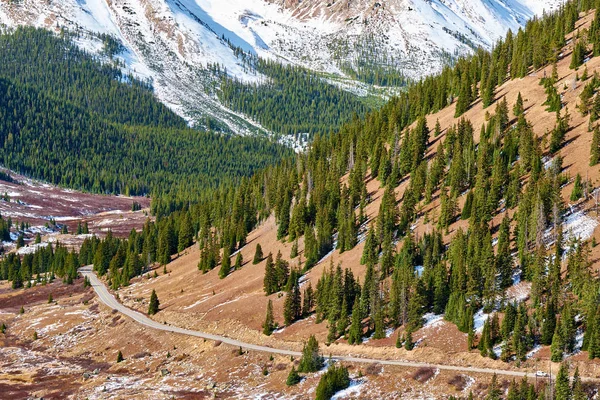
(74, 121)
(292, 101)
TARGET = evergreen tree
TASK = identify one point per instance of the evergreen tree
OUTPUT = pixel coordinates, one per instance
(518, 107)
(258, 254)
(557, 347)
(239, 261)
(335, 379)
(494, 392)
(120, 357)
(186, 234)
(293, 377)
(355, 332)
(577, 191)
(270, 279)
(153, 306)
(269, 324)
(562, 387)
(225, 264)
(311, 360)
(578, 55)
(408, 340)
(577, 388)
(292, 307)
(595, 147)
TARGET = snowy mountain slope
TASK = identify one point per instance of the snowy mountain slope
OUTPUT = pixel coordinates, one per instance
(176, 42)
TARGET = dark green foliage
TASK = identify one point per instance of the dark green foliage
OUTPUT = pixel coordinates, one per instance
(557, 136)
(311, 360)
(102, 131)
(258, 255)
(562, 387)
(293, 377)
(153, 306)
(595, 147)
(120, 357)
(269, 324)
(335, 379)
(408, 341)
(239, 261)
(225, 264)
(293, 101)
(276, 274)
(355, 333)
(577, 191)
(578, 56)
(292, 306)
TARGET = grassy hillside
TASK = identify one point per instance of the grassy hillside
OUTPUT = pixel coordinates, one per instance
(477, 214)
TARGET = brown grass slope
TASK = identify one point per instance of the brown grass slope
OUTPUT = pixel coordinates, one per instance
(236, 305)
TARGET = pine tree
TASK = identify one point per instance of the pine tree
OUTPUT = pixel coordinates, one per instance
(293, 377)
(408, 340)
(239, 261)
(335, 379)
(292, 307)
(494, 392)
(578, 55)
(308, 300)
(557, 347)
(269, 324)
(577, 388)
(464, 97)
(120, 356)
(311, 360)
(270, 279)
(562, 387)
(153, 307)
(438, 128)
(225, 264)
(518, 109)
(355, 332)
(186, 235)
(258, 255)
(595, 147)
(577, 191)
(294, 250)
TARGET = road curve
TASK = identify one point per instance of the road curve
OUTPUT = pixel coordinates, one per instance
(107, 298)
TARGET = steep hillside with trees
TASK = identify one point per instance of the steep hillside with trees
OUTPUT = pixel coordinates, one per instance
(470, 196)
(73, 121)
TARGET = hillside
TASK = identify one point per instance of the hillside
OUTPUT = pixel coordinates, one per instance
(103, 131)
(357, 46)
(236, 305)
(455, 227)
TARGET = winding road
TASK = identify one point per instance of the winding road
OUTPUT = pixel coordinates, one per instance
(108, 299)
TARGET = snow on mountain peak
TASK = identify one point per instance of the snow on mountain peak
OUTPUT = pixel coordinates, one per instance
(174, 42)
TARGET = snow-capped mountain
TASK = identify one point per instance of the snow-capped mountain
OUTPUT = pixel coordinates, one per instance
(175, 42)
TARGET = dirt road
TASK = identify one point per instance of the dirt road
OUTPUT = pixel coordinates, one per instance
(107, 298)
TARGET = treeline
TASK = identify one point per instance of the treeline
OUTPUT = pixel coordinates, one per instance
(100, 131)
(40, 266)
(120, 259)
(293, 100)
